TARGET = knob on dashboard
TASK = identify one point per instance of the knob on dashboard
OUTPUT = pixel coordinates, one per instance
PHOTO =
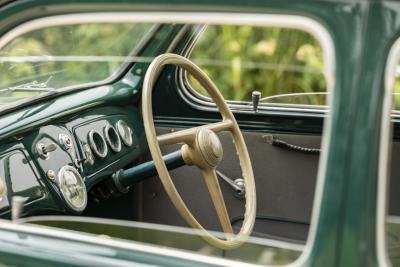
(65, 141)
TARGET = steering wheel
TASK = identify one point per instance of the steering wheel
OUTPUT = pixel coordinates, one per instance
(202, 148)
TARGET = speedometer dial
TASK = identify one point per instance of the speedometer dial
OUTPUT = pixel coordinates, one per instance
(72, 188)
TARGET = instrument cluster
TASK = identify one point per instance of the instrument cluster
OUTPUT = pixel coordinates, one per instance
(74, 157)
(110, 139)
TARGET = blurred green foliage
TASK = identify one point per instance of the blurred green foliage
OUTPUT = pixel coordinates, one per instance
(396, 95)
(240, 59)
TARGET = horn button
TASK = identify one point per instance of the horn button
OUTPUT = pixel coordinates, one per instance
(210, 147)
(205, 151)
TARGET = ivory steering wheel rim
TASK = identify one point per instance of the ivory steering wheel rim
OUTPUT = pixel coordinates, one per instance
(201, 148)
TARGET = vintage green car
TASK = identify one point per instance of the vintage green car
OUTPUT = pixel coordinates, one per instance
(199, 133)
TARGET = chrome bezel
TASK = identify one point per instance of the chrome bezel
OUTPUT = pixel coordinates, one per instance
(79, 177)
(115, 145)
(65, 141)
(93, 146)
(127, 141)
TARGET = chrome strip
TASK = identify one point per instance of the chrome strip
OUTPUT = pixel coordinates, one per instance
(131, 245)
(289, 21)
(155, 226)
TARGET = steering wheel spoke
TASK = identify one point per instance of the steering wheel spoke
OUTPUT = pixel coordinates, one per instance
(217, 198)
(180, 137)
(187, 136)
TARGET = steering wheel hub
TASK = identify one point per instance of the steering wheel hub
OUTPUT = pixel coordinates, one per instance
(210, 147)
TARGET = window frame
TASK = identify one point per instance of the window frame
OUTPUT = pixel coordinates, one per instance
(328, 48)
(302, 23)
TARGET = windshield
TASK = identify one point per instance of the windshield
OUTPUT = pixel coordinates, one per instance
(49, 59)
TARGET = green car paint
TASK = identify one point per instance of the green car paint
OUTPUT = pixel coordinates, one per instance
(363, 33)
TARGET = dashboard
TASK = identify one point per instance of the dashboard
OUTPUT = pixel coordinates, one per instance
(55, 166)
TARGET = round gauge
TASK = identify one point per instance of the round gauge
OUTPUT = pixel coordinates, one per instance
(125, 132)
(112, 138)
(72, 188)
(97, 144)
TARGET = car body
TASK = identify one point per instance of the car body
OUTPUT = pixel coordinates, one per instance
(344, 223)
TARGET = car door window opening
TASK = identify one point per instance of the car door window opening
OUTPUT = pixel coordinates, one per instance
(114, 143)
(285, 65)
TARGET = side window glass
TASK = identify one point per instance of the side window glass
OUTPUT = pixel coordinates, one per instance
(285, 65)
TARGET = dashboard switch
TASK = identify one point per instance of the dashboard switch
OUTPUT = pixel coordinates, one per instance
(44, 150)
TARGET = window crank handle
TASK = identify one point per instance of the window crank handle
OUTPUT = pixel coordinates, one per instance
(237, 185)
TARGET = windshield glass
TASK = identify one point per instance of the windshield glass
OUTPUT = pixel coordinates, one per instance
(48, 59)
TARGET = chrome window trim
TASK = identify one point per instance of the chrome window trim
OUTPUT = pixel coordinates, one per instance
(199, 18)
(118, 244)
(384, 153)
(192, 97)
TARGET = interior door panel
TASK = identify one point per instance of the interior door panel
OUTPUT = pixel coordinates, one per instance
(285, 183)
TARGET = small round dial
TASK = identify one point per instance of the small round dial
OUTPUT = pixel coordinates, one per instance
(125, 132)
(72, 188)
(97, 144)
(112, 138)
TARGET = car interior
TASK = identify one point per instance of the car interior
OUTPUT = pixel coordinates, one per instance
(119, 155)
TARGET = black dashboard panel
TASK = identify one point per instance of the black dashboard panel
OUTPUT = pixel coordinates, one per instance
(19, 177)
(32, 165)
